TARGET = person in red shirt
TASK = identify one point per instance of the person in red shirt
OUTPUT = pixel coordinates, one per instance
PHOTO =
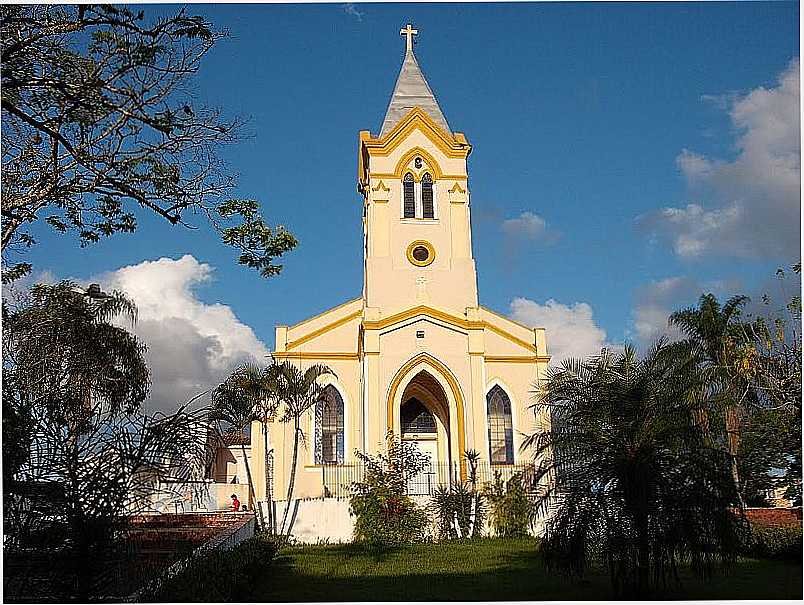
(235, 503)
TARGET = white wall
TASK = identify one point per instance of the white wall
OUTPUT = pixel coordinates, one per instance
(328, 520)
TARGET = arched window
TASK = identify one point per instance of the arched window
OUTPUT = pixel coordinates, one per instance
(416, 418)
(409, 196)
(427, 196)
(329, 427)
(501, 432)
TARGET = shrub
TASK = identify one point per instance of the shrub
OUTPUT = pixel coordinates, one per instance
(459, 512)
(218, 575)
(386, 516)
(775, 543)
(511, 510)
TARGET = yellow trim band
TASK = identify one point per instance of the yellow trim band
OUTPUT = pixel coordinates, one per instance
(515, 358)
(432, 165)
(326, 328)
(452, 147)
(313, 355)
(330, 310)
(448, 318)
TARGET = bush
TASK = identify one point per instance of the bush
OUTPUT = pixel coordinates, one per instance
(386, 516)
(219, 575)
(510, 508)
(458, 504)
(783, 543)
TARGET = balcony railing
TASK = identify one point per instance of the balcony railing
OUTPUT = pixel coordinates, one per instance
(337, 479)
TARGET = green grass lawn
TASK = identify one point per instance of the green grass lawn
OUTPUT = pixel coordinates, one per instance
(490, 569)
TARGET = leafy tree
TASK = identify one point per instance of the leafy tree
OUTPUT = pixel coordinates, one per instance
(297, 391)
(100, 119)
(511, 510)
(87, 458)
(244, 396)
(385, 514)
(637, 485)
(61, 351)
(714, 337)
(770, 362)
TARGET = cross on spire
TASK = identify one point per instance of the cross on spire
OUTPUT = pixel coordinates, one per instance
(409, 32)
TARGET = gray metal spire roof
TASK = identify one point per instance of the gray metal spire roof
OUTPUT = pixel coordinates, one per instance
(412, 90)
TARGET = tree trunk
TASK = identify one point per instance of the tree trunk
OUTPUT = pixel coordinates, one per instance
(251, 486)
(456, 525)
(733, 435)
(292, 482)
(472, 515)
(268, 476)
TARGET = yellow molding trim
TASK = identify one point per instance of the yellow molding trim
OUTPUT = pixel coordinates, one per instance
(452, 147)
(456, 187)
(313, 355)
(449, 318)
(443, 177)
(424, 244)
(330, 310)
(381, 187)
(324, 329)
(513, 321)
(509, 336)
(514, 358)
(420, 310)
(456, 393)
(432, 165)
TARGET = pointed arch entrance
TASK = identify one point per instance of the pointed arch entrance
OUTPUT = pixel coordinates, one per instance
(433, 386)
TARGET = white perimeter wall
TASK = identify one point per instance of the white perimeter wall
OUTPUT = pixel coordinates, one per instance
(328, 520)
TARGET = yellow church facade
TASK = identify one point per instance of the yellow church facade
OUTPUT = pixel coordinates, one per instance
(415, 354)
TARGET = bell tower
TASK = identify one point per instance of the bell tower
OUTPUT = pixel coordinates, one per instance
(416, 221)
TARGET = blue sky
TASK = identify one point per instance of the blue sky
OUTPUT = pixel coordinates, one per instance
(579, 114)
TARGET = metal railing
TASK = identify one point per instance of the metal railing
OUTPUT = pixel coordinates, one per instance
(337, 479)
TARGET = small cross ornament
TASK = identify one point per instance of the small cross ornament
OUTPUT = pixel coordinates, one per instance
(409, 32)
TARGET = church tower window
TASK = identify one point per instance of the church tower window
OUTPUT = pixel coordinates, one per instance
(409, 196)
(329, 427)
(501, 433)
(427, 196)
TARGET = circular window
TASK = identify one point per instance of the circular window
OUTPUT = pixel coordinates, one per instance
(421, 253)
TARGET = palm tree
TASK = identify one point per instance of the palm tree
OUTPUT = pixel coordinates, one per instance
(86, 456)
(244, 396)
(633, 483)
(298, 391)
(713, 335)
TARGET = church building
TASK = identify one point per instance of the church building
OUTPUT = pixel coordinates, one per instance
(415, 353)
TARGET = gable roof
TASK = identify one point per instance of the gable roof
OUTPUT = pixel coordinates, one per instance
(412, 90)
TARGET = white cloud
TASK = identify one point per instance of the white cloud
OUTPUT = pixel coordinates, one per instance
(350, 9)
(529, 226)
(192, 345)
(570, 329)
(755, 200)
(654, 304)
(657, 300)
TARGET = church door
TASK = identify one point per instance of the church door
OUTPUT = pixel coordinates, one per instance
(419, 429)
(425, 483)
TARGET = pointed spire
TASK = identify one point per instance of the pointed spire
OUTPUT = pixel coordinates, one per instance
(411, 91)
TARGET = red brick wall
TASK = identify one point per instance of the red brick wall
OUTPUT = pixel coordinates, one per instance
(774, 517)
